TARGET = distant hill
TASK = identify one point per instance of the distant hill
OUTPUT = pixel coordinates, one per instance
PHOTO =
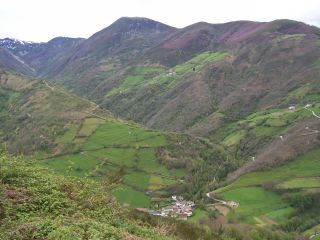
(40, 57)
(11, 62)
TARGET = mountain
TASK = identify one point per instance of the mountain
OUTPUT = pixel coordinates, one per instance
(18, 47)
(40, 57)
(240, 65)
(203, 79)
(9, 61)
(76, 137)
(241, 101)
(109, 50)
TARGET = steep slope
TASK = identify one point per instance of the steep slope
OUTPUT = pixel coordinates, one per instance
(108, 51)
(76, 137)
(33, 112)
(260, 69)
(40, 57)
(286, 196)
(35, 203)
(10, 62)
(18, 47)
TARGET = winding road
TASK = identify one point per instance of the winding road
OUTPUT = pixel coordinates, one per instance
(313, 113)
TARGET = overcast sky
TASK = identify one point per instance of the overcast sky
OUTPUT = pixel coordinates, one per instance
(42, 20)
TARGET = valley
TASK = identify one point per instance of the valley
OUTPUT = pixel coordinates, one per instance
(225, 115)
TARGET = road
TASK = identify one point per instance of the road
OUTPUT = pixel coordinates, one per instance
(313, 113)
(220, 201)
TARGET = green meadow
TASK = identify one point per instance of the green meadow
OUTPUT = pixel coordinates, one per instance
(255, 201)
(106, 146)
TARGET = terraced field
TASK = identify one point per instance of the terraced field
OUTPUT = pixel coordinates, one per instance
(102, 148)
(145, 76)
(257, 203)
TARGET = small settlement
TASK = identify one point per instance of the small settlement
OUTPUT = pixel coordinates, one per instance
(180, 209)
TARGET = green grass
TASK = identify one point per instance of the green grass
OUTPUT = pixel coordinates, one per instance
(59, 207)
(234, 138)
(69, 135)
(118, 156)
(198, 215)
(276, 122)
(127, 195)
(75, 165)
(156, 182)
(307, 165)
(147, 161)
(137, 179)
(265, 131)
(200, 61)
(113, 133)
(298, 93)
(137, 76)
(185, 69)
(301, 183)
(253, 202)
(89, 125)
(280, 214)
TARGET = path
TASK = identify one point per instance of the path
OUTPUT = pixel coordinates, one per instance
(220, 201)
(231, 204)
(313, 113)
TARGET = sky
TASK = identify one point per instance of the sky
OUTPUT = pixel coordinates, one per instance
(42, 20)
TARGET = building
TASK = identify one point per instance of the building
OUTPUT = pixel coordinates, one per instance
(179, 209)
(292, 108)
(232, 204)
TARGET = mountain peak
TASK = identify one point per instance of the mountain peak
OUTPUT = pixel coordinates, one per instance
(138, 24)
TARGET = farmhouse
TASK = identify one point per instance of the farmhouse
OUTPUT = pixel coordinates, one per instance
(292, 108)
(232, 204)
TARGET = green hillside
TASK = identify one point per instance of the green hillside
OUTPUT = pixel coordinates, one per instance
(225, 109)
(39, 204)
(110, 147)
(287, 196)
(75, 137)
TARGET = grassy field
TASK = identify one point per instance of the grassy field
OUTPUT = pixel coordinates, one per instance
(309, 182)
(137, 76)
(89, 126)
(234, 138)
(69, 135)
(121, 134)
(128, 196)
(108, 146)
(74, 165)
(255, 201)
(144, 76)
(198, 214)
(307, 165)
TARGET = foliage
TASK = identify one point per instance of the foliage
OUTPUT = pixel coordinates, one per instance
(38, 204)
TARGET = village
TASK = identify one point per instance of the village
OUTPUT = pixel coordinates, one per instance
(179, 209)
